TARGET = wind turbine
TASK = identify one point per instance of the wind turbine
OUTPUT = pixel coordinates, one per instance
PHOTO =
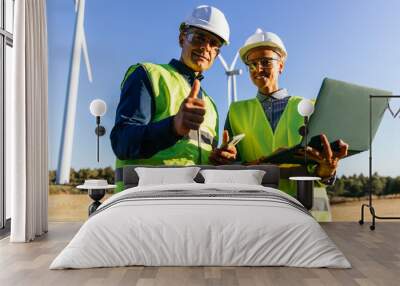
(231, 73)
(79, 46)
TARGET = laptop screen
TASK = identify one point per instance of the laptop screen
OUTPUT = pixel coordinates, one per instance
(342, 112)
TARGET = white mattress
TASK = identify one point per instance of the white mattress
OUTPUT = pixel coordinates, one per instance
(183, 231)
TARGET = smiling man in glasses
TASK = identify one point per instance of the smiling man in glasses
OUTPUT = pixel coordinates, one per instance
(271, 120)
(164, 117)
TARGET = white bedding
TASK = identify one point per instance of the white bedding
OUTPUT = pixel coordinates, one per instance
(182, 231)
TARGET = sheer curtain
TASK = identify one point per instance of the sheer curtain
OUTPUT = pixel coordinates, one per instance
(26, 127)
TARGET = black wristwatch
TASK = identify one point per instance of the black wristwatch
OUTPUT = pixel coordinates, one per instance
(329, 181)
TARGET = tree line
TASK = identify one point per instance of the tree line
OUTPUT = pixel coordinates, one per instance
(358, 186)
(345, 186)
(79, 177)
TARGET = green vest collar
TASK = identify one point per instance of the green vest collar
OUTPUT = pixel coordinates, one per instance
(185, 71)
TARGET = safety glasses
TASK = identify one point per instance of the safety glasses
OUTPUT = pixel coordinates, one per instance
(199, 39)
(265, 63)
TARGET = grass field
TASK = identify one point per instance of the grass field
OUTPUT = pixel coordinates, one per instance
(68, 207)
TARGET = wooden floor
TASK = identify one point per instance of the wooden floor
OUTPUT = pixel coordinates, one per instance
(374, 255)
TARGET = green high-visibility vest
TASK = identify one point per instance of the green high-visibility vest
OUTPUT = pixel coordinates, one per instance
(248, 117)
(170, 88)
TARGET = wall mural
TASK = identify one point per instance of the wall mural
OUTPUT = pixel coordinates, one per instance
(161, 92)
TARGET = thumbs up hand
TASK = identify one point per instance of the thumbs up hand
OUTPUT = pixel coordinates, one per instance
(225, 154)
(191, 112)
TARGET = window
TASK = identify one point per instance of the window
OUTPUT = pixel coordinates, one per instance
(9, 15)
(6, 62)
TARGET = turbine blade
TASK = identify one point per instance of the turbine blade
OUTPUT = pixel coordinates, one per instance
(223, 62)
(86, 56)
(234, 61)
(76, 5)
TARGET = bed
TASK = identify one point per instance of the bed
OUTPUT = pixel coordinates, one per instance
(201, 224)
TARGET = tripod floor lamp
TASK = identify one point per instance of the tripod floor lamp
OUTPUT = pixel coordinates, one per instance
(370, 190)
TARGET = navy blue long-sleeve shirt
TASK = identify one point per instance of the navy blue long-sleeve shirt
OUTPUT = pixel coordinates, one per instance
(134, 136)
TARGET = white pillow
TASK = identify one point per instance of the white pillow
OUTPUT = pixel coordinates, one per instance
(249, 177)
(166, 176)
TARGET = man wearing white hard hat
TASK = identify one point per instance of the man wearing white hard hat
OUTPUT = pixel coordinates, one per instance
(271, 119)
(164, 117)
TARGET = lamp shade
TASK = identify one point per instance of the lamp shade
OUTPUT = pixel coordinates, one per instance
(98, 107)
(305, 107)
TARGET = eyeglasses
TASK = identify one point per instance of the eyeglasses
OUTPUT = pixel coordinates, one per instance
(198, 39)
(266, 63)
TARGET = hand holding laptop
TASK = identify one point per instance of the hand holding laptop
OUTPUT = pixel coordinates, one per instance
(326, 158)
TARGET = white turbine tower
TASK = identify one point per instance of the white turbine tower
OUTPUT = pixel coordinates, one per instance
(79, 46)
(231, 73)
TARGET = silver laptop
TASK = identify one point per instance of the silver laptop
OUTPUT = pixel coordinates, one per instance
(341, 112)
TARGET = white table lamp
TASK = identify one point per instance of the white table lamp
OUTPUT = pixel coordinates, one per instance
(98, 108)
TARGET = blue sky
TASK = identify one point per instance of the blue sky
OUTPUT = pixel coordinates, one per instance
(356, 41)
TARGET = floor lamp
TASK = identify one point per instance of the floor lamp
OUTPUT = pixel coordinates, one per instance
(369, 205)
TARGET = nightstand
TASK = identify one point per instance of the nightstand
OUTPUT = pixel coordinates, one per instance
(305, 190)
(96, 191)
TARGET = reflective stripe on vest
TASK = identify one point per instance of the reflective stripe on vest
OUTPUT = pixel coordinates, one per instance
(248, 117)
(170, 88)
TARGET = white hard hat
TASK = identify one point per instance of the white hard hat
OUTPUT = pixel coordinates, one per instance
(263, 39)
(210, 19)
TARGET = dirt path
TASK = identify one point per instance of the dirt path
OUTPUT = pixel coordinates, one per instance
(74, 208)
(352, 211)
